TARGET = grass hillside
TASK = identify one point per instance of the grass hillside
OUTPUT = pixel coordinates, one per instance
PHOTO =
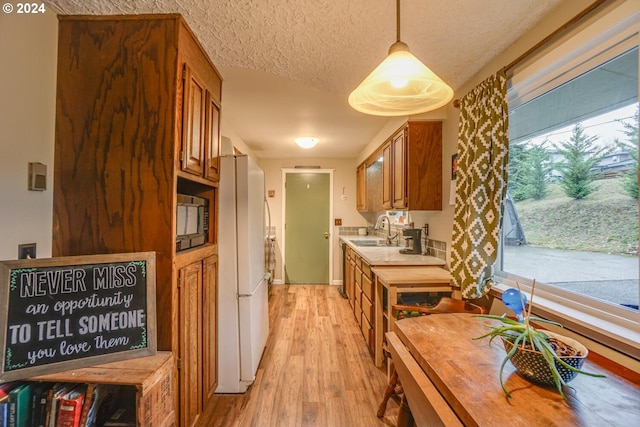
(605, 221)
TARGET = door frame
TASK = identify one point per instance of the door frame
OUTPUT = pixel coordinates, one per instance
(285, 171)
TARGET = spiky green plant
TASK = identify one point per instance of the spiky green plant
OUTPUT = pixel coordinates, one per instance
(525, 335)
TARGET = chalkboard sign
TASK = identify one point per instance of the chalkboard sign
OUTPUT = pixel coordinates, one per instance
(71, 312)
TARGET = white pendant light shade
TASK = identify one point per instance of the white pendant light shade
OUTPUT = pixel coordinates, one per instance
(400, 85)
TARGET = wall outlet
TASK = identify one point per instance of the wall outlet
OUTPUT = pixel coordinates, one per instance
(337, 221)
(27, 251)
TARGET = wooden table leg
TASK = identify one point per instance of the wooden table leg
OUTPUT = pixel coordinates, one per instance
(388, 392)
(405, 418)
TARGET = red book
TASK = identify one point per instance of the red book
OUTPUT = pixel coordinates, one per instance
(70, 407)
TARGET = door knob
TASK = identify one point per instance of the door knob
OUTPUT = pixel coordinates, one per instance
(326, 234)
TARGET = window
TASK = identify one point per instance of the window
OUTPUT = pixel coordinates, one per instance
(571, 217)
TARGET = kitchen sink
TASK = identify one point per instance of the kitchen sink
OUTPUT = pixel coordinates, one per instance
(368, 242)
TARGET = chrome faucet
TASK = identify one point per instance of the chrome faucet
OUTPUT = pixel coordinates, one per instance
(379, 222)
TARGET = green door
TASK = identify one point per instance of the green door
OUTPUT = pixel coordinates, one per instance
(307, 227)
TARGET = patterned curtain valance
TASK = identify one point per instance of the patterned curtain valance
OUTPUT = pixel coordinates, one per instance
(481, 185)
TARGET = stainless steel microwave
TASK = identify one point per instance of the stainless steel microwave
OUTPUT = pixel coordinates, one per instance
(192, 221)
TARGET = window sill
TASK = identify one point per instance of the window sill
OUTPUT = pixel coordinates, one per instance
(615, 338)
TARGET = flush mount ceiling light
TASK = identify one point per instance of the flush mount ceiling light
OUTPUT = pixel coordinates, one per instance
(306, 142)
(401, 85)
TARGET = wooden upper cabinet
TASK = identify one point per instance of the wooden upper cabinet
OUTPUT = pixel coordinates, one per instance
(424, 166)
(201, 106)
(386, 175)
(200, 127)
(399, 170)
(412, 167)
(193, 123)
(361, 187)
(212, 140)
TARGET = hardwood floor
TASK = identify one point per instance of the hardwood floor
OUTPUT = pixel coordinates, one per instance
(315, 371)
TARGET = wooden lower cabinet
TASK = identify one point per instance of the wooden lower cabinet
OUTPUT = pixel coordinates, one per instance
(190, 343)
(210, 327)
(197, 354)
(359, 288)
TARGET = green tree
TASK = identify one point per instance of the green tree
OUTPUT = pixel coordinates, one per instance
(517, 164)
(529, 169)
(581, 157)
(629, 178)
(538, 169)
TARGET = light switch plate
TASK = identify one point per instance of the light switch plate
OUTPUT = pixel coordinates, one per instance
(27, 251)
(37, 176)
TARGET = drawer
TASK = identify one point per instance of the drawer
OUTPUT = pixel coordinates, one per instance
(366, 270)
(358, 276)
(358, 260)
(367, 308)
(367, 287)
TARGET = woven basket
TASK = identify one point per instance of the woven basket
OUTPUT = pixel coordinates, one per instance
(533, 366)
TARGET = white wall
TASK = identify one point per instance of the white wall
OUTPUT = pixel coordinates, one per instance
(28, 51)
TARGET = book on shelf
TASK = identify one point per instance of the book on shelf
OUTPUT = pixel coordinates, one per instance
(39, 404)
(20, 405)
(70, 407)
(4, 411)
(53, 398)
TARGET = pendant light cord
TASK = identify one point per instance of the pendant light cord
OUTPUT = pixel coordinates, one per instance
(397, 20)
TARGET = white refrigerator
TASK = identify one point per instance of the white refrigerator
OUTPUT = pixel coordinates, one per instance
(243, 313)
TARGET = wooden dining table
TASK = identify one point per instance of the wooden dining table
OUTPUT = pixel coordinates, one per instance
(452, 379)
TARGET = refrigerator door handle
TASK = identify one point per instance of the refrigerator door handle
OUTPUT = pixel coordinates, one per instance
(265, 276)
(252, 293)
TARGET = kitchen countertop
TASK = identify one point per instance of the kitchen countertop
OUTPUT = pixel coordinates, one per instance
(388, 255)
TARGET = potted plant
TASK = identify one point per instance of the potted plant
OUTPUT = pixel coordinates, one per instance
(539, 355)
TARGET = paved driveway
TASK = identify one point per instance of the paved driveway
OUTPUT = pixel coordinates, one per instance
(609, 277)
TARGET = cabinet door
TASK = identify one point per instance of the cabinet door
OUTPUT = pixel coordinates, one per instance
(193, 123)
(386, 176)
(210, 327)
(361, 187)
(190, 343)
(424, 166)
(212, 145)
(399, 171)
(351, 289)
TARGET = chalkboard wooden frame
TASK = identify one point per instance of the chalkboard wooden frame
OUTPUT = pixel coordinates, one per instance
(63, 313)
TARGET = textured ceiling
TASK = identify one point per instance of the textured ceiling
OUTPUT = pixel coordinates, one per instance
(289, 65)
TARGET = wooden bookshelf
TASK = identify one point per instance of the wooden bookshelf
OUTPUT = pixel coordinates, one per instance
(150, 379)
